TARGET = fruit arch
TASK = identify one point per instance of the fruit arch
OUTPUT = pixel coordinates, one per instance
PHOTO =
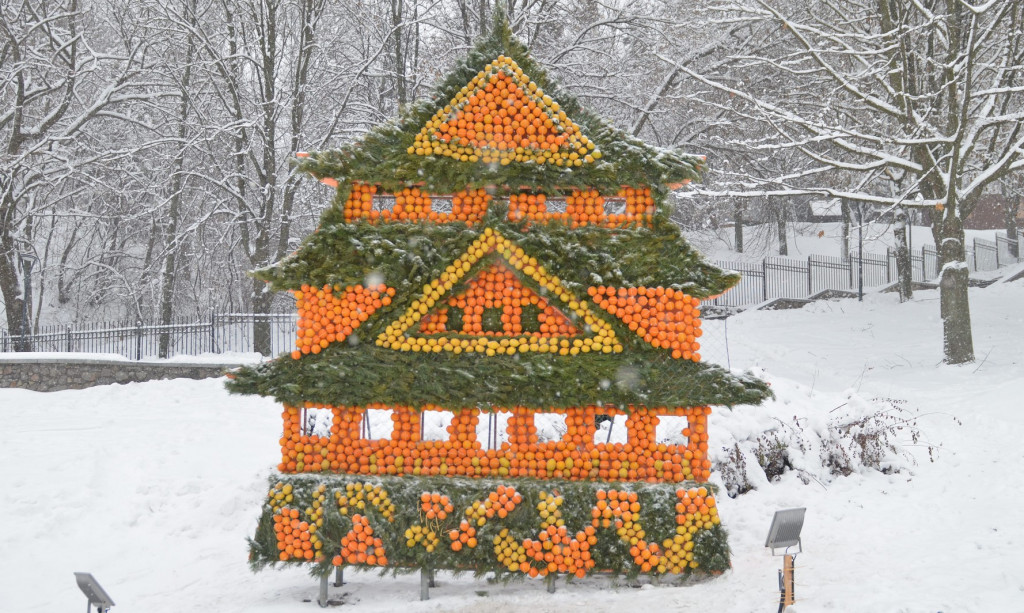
(498, 257)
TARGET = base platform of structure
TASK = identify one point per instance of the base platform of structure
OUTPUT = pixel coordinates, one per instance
(508, 527)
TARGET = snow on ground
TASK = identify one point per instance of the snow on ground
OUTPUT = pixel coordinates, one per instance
(154, 487)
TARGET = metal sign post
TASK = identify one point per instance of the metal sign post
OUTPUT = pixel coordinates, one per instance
(785, 534)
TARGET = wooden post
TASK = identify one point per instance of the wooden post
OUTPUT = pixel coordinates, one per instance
(786, 583)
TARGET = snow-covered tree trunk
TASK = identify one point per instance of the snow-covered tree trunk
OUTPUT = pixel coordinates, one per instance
(738, 227)
(780, 226)
(904, 272)
(958, 343)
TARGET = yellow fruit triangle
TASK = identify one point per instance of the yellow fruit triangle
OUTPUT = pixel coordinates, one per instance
(501, 116)
(563, 324)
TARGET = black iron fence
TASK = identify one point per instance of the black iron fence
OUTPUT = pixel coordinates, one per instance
(783, 277)
(219, 333)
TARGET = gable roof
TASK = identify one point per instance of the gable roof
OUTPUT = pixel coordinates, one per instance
(391, 155)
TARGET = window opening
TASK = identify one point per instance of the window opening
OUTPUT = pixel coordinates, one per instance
(434, 425)
(610, 429)
(383, 202)
(492, 429)
(550, 427)
(441, 204)
(318, 422)
(670, 430)
(377, 424)
(614, 206)
(556, 206)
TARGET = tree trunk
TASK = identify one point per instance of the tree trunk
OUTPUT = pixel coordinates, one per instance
(171, 242)
(958, 343)
(845, 205)
(738, 227)
(262, 340)
(1012, 206)
(780, 221)
(904, 270)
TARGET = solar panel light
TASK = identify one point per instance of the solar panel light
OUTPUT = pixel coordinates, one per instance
(785, 531)
(96, 594)
(785, 534)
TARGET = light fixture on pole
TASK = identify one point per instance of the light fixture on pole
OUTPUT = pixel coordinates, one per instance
(784, 534)
(96, 594)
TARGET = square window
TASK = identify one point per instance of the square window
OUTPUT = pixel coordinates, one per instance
(550, 427)
(376, 425)
(435, 425)
(615, 206)
(492, 429)
(441, 204)
(383, 202)
(317, 422)
(610, 429)
(556, 206)
(670, 430)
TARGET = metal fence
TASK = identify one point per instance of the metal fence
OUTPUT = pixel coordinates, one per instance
(219, 333)
(782, 277)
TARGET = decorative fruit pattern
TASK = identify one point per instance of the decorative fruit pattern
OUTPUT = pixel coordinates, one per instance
(360, 546)
(575, 457)
(501, 116)
(601, 336)
(663, 317)
(551, 547)
(330, 313)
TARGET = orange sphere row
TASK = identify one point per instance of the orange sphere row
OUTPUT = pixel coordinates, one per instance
(586, 207)
(326, 316)
(413, 204)
(575, 457)
(663, 317)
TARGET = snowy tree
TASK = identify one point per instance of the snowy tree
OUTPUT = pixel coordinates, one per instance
(930, 88)
(56, 78)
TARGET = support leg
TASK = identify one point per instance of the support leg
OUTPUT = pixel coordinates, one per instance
(339, 577)
(322, 599)
(424, 584)
(432, 583)
(550, 580)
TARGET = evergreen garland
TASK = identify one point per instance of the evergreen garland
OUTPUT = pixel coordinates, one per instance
(408, 255)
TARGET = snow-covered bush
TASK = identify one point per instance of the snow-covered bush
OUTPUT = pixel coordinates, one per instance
(818, 438)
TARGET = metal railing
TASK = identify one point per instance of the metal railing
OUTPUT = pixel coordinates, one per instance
(219, 333)
(782, 277)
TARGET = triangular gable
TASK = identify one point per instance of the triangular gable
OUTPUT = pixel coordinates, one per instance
(588, 333)
(502, 116)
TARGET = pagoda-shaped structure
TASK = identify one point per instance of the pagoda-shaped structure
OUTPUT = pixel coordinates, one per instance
(495, 258)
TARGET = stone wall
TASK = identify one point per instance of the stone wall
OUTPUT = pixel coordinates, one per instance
(47, 374)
